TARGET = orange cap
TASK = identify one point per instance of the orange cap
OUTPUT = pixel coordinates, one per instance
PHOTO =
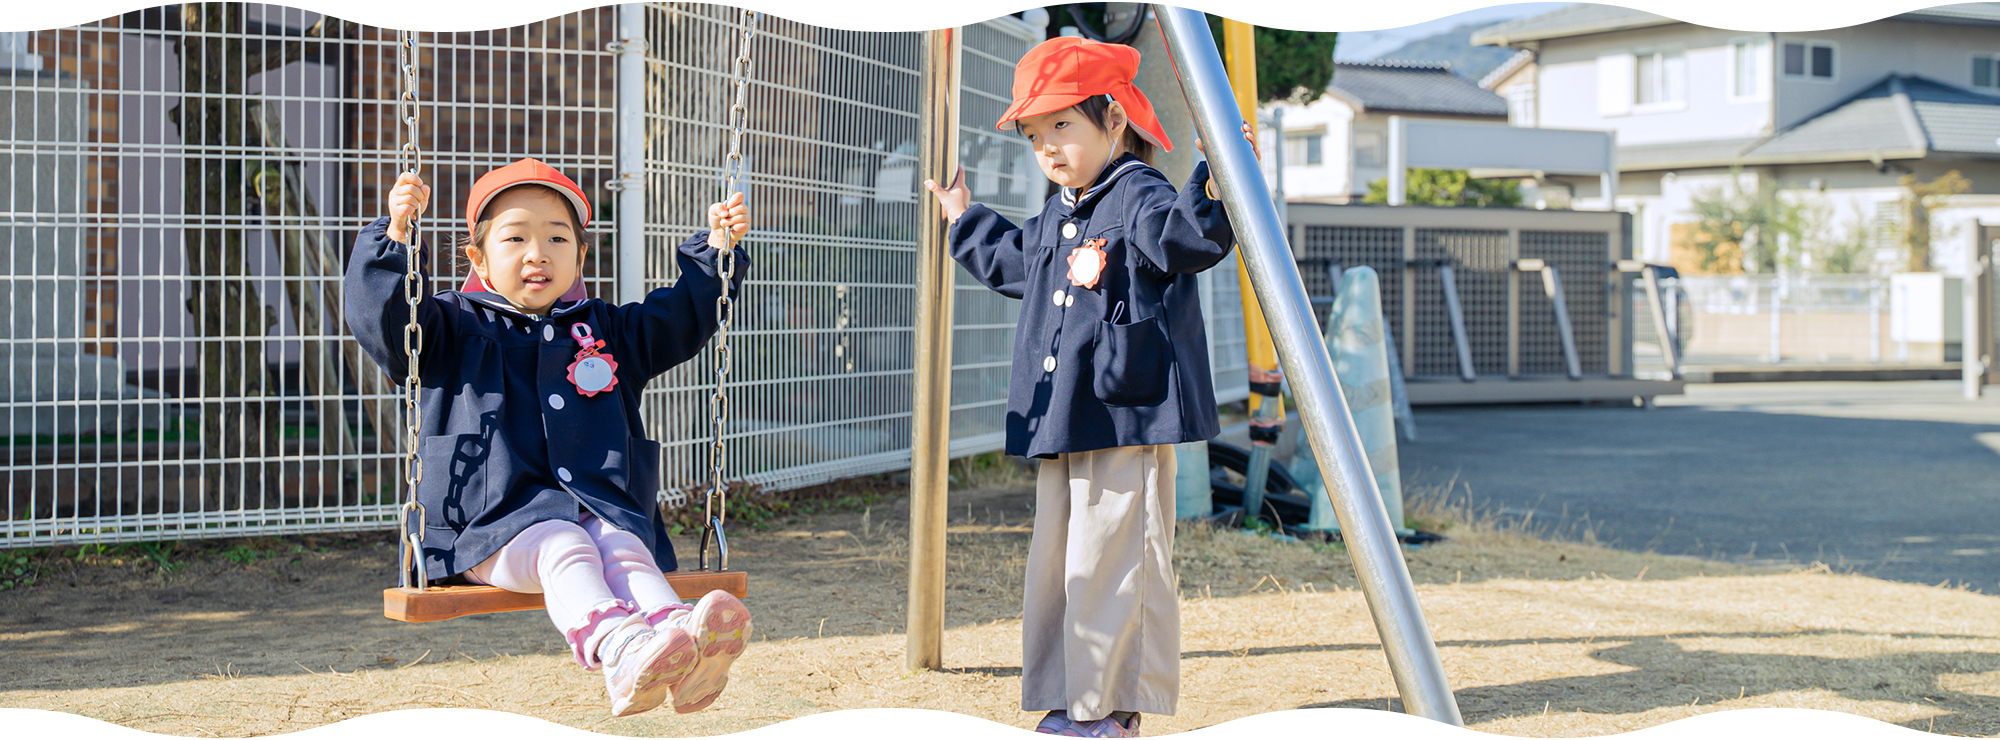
(529, 171)
(1061, 72)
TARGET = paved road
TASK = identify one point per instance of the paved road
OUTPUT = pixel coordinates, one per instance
(1899, 480)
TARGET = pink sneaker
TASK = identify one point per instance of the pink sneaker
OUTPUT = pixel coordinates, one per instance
(719, 627)
(1058, 723)
(641, 664)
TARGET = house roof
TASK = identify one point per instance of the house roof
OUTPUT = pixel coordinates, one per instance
(1581, 20)
(1899, 112)
(1507, 69)
(1413, 87)
(1899, 117)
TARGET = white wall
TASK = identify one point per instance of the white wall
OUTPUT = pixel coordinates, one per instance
(1330, 178)
(1569, 85)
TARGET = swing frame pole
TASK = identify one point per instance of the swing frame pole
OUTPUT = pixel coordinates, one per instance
(1260, 234)
(930, 422)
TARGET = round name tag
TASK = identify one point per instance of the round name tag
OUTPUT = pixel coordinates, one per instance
(593, 375)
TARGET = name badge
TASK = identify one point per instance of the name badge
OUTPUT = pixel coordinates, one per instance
(592, 372)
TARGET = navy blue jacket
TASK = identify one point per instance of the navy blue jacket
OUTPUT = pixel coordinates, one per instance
(1125, 363)
(506, 438)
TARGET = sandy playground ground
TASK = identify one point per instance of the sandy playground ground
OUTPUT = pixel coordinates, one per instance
(1541, 637)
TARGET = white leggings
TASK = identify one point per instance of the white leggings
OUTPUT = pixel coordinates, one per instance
(593, 577)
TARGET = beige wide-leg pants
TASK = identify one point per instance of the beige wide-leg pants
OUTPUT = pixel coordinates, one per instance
(1100, 626)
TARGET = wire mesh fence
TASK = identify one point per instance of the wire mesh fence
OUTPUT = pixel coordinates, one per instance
(183, 184)
(1770, 319)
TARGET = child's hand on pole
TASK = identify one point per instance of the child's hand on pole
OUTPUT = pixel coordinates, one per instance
(1249, 135)
(728, 221)
(407, 200)
(952, 200)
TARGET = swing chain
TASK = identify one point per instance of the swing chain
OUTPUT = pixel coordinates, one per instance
(714, 508)
(409, 158)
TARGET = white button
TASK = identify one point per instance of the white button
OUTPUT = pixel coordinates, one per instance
(1058, 297)
(1069, 230)
(563, 473)
(1049, 364)
(1069, 300)
(555, 402)
(549, 335)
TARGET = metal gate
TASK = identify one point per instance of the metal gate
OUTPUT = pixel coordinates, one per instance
(1510, 327)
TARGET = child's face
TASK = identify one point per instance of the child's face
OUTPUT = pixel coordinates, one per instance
(1072, 150)
(532, 253)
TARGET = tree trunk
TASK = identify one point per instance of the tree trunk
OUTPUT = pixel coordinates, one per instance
(238, 421)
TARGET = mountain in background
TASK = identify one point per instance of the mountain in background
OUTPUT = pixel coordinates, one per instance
(1453, 46)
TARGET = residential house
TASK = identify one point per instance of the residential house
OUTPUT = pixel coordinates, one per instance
(1338, 144)
(1835, 117)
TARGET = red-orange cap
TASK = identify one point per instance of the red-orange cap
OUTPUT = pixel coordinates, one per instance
(529, 171)
(1061, 72)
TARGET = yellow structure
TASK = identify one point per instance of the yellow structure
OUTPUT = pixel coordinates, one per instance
(1240, 57)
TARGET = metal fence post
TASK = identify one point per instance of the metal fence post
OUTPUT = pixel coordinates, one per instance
(1364, 522)
(629, 236)
(1875, 322)
(1777, 331)
(930, 422)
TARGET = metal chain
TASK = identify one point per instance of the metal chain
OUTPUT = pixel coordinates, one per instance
(409, 158)
(714, 508)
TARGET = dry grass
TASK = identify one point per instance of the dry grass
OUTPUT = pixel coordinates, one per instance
(1542, 634)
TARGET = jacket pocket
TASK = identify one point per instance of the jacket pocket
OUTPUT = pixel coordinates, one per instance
(642, 472)
(454, 491)
(1132, 362)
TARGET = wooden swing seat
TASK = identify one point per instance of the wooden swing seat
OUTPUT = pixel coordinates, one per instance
(439, 603)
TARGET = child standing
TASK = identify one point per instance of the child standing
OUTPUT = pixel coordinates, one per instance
(538, 477)
(1110, 371)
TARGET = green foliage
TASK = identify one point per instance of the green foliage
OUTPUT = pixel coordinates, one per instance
(1918, 200)
(16, 571)
(1449, 188)
(1742, 228)
(1294, 66)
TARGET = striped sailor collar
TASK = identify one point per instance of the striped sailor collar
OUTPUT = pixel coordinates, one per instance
(499, 302)
(1118, 168)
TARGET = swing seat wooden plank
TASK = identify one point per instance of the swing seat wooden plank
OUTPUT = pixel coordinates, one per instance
(440, 603)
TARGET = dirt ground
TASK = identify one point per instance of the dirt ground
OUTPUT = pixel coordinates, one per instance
(1539, 638)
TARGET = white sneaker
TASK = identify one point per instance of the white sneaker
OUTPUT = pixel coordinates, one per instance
(641, 663)
(719, 628)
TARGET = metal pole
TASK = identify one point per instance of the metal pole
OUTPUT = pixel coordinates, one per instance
(1399, 162)
(1777, 329)
(1971, 347)
(631, 220)
(930, 422)
(1278, 152)
(1552, 285)
(1670, 349)
(1364, 522)
(1456, 313)
(1875, 322)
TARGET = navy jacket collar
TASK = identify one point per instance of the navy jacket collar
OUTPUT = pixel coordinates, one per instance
(1117, 168)
(498, 302)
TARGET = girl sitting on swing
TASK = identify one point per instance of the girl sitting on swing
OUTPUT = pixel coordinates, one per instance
(537, 476)
(1110, 371)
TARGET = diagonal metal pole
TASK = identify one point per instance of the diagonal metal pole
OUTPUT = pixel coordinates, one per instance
(1364, 522)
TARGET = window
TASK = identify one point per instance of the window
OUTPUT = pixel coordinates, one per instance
(1984, 71)
(1660, 77)
(1368, 149)
(1811, 61)
(1746, 68)
(1521, 105)
(1302, 148)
